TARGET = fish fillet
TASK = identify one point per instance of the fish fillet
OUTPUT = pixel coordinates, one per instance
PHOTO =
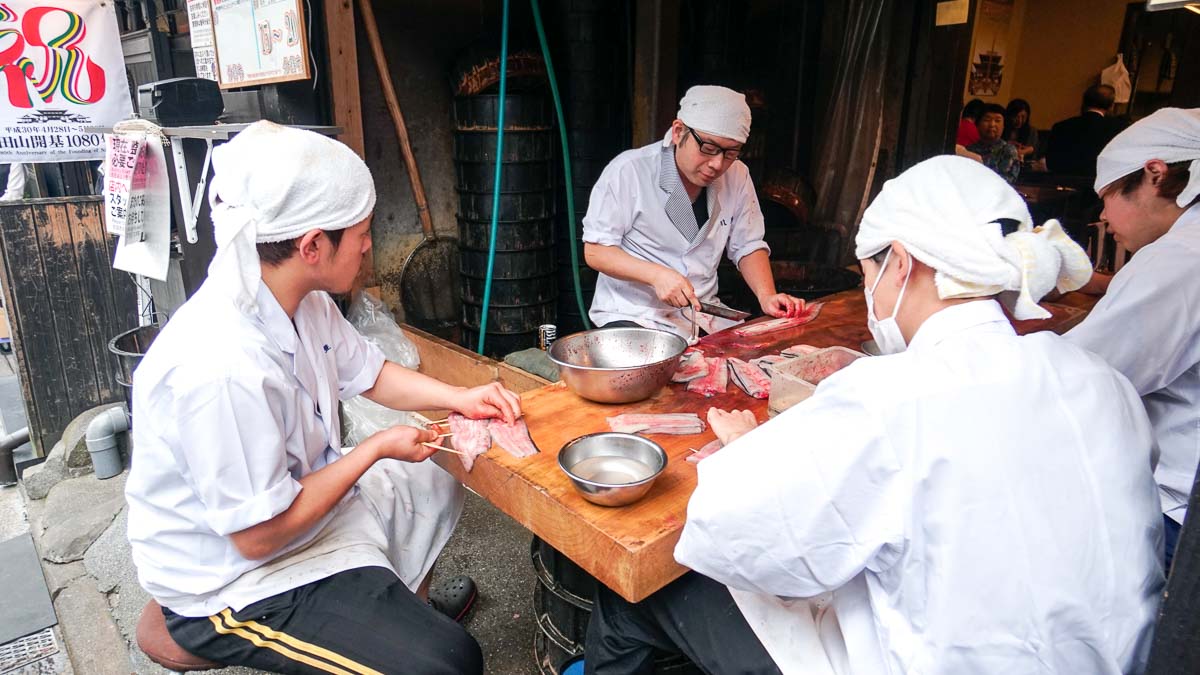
(799, 350)
(513, 437)
(749, 378)
(471, 438)
(714, 382)
(691, 366)
(681, 424)
(809, 313)
(706, 451)
(766, 363)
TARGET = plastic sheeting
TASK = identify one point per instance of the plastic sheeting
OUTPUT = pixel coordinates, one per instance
(362, 417)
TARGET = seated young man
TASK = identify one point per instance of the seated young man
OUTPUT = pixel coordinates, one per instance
(971, 502)
(265, 544)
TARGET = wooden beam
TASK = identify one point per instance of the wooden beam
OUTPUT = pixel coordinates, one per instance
(344, 96)
(343, 72)
(656, 46)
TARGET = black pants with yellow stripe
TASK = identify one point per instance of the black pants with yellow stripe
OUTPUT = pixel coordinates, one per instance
(358, 621)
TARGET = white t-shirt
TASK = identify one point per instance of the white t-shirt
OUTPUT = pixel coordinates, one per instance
(229, 412)
(629, 209)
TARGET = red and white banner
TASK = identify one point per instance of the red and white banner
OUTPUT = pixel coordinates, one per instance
(61, 76)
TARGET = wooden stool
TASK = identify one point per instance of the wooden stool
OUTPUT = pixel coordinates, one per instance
(156, 643)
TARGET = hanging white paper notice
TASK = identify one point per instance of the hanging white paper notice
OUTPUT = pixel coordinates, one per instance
(952, 12)
(145, 246)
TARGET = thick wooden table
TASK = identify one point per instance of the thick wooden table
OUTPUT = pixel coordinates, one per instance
(630, 548)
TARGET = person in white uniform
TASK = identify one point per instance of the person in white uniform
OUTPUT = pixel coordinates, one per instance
(266, 544)
(971, 502)
(1148, 324)
(661, 217)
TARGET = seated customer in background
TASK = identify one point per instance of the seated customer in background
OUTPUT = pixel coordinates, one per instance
(998, 155)
(968, 132)
(1075, 143)
(1019, 131)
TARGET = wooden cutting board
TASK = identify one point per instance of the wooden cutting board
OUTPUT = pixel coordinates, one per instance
(630, 548)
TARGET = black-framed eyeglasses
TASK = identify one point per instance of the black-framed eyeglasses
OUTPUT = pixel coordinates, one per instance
(712, 149)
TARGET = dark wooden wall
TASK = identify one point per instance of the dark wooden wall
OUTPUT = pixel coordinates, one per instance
(65, 302)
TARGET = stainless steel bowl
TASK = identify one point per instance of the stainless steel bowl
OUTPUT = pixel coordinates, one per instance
(617, 365)
(611, 468)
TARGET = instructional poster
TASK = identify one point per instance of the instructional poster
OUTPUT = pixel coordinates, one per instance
(259, 42)
(204, 53)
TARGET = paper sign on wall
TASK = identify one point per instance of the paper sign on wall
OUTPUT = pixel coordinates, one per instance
(137, 203)
(61, 71)
(204, 50)
(952, 12)
(259, 42)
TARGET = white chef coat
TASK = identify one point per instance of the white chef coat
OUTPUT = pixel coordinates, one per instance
(980, 503)
(628, 209)
(229, 412)
(1148, 327)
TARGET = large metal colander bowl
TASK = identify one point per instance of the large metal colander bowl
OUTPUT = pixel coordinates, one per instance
(617, 365)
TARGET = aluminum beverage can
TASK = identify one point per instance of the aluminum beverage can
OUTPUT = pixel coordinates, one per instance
(547, 334)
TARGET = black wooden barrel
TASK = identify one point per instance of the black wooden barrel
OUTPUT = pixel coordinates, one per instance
(562, 606)
(524, 287)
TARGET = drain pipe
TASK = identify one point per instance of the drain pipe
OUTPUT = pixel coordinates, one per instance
(8, 469)
(101, 441)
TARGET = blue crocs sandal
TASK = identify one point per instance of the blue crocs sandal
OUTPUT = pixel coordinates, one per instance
(454, 597)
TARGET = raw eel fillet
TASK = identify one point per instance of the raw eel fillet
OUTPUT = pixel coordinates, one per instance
(809, 313)
(681, 424)
(471, 437)
(766, 363)
(749, 378)
(513, 437)
(799, 350)
(706, 451)
(714, 382)
(691, 366)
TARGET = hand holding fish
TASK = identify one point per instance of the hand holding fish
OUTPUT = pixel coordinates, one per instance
(729, 425)
(404, 443)
(489, 400)
(781, 305)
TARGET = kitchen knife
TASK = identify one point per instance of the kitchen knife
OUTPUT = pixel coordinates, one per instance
(723, 312)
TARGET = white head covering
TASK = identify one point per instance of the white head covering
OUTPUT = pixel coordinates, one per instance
(717, 111)
(1170, 135)
(945, 212)
(274, 183)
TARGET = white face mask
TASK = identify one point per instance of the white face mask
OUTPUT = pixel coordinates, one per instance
(886, 332)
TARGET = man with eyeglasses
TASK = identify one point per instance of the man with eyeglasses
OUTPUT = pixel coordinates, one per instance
(660, 217)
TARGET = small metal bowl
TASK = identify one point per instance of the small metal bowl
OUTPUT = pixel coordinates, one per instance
(611, 468)
(870, 348)
(617, 365)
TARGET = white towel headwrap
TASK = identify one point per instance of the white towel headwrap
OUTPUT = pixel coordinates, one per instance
(274, 183)
(717, 111)
(1170, 135)
(945, 212)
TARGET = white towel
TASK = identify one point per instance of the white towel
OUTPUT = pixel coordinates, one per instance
(946, 210)
(717, 111)
(274, 183)
(1170, 135)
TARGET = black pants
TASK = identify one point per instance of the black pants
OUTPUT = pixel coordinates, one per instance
(693, 615)
(358, 621)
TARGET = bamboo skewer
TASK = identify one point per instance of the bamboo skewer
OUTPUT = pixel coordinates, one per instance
(441, 447)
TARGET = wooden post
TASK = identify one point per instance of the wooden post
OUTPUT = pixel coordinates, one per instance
(655, 69)
(343, 72)
(345, 100)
